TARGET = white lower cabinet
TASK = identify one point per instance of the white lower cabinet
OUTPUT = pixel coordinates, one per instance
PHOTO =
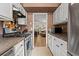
(54, 47)
(20, 52)
(49, 41)
(61, 14)
(57, 46)
(19, 49)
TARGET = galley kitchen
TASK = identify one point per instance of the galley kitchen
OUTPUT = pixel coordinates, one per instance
(39, 29)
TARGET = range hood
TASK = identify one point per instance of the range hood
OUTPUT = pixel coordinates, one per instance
(18, 13)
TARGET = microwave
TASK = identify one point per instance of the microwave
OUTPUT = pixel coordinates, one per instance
(57, 30)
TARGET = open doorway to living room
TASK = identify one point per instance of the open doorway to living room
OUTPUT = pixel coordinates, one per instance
(40, 29)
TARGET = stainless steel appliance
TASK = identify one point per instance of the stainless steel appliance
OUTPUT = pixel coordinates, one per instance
(28, 45)
(73, 39)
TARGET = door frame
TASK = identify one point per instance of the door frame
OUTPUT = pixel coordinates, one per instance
(46, 26)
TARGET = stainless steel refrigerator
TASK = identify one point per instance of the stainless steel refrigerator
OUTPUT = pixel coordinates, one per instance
(73, 29)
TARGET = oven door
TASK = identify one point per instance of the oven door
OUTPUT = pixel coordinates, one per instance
(27, 46)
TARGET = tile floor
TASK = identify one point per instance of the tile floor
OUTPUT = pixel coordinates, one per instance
(41, 51)
(40, 47)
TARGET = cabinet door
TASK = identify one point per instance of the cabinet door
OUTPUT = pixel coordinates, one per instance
(52, 44)
(54, 18)
(54, 47)
(17, 6)
(50, 41)
(61, 14)
(6, 11)
(59, 47)
(20, 52)
(62, 51)
(19, 48)
(63, 47)
(64, 7)
(57, 15)
(23, 11)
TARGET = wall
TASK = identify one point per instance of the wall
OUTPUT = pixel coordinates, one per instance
(29, 21)
(23, 27)
(50, 20)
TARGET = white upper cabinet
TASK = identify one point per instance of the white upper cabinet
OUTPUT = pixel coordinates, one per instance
(61, 14)
(64, 11)
(20, 8)
(6, 12)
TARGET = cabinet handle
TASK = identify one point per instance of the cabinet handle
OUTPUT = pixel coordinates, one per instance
(66, 19)
(61, 44)
(57, 45)
(21, 45)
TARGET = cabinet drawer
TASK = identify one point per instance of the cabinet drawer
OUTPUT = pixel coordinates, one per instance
(63, 44)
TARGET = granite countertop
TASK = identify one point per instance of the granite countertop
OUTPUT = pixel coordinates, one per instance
(7, 43)
(62, 36)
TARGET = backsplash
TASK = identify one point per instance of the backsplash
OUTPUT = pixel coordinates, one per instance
(22, 28)
(63, 26)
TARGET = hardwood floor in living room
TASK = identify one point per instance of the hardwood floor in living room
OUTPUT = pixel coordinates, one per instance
(40, 41)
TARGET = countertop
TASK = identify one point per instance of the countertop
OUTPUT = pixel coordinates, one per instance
(62, 36)
(7, 43)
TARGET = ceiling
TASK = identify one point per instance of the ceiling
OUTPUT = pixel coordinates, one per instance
(40, 7)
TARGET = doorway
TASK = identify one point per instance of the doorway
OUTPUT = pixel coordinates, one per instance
(40, 29)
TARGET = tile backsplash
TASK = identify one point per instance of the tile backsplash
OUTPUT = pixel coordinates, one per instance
(63, 26)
